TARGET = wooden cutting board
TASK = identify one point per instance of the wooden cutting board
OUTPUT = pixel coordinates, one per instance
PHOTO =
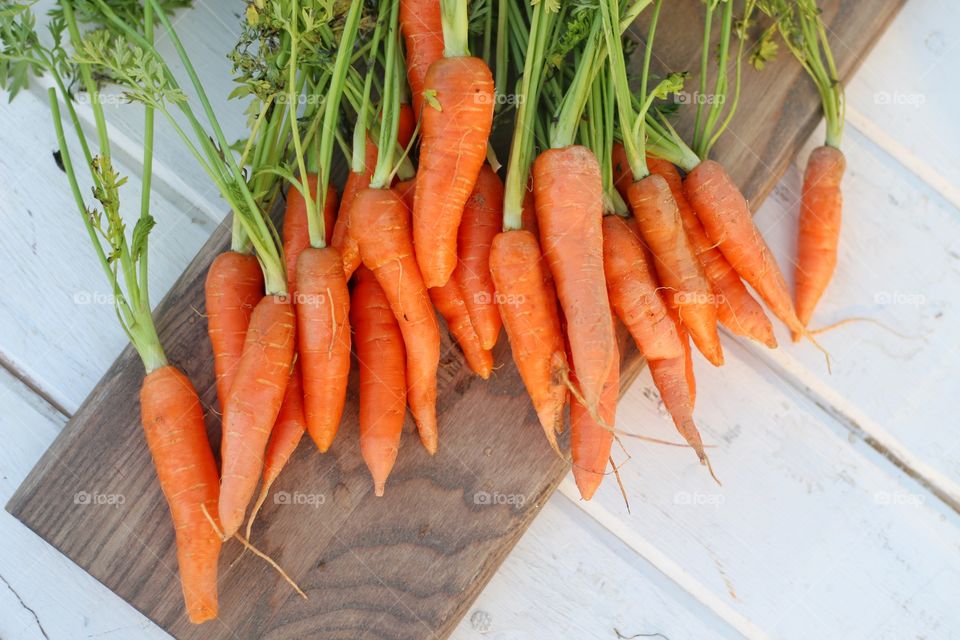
(410, 564)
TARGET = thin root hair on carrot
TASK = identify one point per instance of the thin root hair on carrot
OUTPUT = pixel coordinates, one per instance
(623, 490)
(260, 554)
(854, 319)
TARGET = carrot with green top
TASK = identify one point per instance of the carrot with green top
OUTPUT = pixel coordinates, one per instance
(323, 300)
(659, 223)
(523, 290)
(800, 23)
(379, 222)
(456, 123)
(170, 410)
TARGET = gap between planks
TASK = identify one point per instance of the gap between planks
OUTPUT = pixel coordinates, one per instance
(662, 562)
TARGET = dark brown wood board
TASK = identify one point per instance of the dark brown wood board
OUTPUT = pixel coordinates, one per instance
(410, 564)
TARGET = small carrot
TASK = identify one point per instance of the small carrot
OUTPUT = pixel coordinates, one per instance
(286, 435)
(383, 392)
(380, 223)
(323, 308)
(632, 288)
(455, 126)
(736, 308)
(449, 301)
(173, 423)
(528, 306)
(423, 37)
(233, 287)
(590, 441)
(481, 222)
(726, 218)
(296, 236)
(569, 203)
(819, 235)
(253, 403)
(804, 34)
(678, 269)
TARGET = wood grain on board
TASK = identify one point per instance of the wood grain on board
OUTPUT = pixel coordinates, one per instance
(407, 565)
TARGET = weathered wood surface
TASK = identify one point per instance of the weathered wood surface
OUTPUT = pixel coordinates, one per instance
(431, 547)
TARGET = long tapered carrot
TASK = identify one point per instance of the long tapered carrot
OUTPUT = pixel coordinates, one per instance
(296, 236)
(590, 441)
(452, 151)
(379, 221)
(632, 288)
(253, 403)
(726, 218)
(449, 301)
(383, 385)
(678, 268)
(569, 202)
(736, 308)
(423, 38)
(481, 221)
(233, 287)
(323, 331)
(173, 423)
(819, 228)
(286, 435)
(528, 306)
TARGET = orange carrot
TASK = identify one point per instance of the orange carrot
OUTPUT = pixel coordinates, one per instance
(296, 236)
(569, 202)
(342, 240)
(423, 38)
(253, 403)
(449, 301)
(287, 432)
(528, 306)
(379, 222)
(173, 423)
(736, 308)
(383, 392)
(726, 218)
(819, 234)
(678, 269)
(407, 124)
(632, 288)
(452, 151)
(481, 222)
(323, 308)
(590, 441)
(233, 287)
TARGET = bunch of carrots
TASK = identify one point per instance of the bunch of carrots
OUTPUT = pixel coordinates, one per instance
(606, 215)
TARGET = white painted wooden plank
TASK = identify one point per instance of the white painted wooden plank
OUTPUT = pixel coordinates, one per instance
(898, 264)
(57, 323)
(808, 536)
(208, 32)
(42, 593)
(570, 578)
(905, 96)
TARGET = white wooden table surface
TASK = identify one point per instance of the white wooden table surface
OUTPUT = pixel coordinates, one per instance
(838, 513)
